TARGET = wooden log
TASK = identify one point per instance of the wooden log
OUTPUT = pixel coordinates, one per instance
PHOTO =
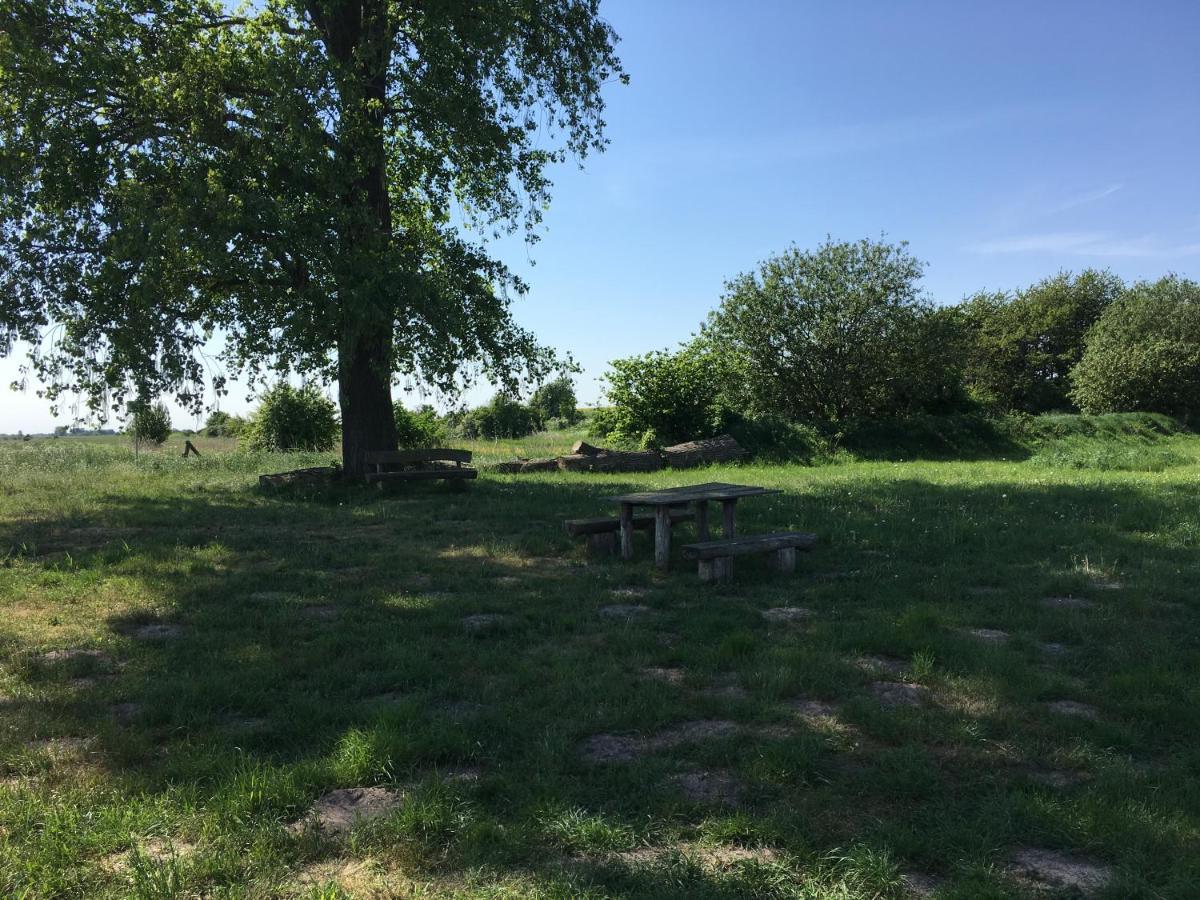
(699, 453)
(626, 531)
(298, 476)
(599, 524)
(612, 461)
(525, 466)
(583, 448)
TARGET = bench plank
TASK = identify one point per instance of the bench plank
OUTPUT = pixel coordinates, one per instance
(607, 524)
(410, 457)
(754, 543)
(451, 474)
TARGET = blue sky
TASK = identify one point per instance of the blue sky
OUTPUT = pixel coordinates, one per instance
(1003, 141)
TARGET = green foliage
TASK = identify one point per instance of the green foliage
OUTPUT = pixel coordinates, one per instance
(833, 334)
(1144, 352)
(222, 424)
(662, 398)
(555, 401)
(151, 422)
(422, 428)
(290, 418)
(1018, 351)
(503, 417)
(289, 174)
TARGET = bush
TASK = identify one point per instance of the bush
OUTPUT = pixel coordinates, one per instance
(291, 418)
(422, 428)
(1143, 354)
(663, 398)
(555, 400)
(151, 422)
(1019, 350)
(834, 334)
(222, 424)
(503, 417)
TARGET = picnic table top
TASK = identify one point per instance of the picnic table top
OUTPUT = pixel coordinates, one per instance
(713, 490)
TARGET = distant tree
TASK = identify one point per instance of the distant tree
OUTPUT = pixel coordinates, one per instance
(222, 424)
(423, 428)
(150, 422)
(1020, 350)
(661, 398)
(831, 334)
(290, 418)
(61, 430)
(1143, 354)
(503, 417)
(555, 400)
(289, 173)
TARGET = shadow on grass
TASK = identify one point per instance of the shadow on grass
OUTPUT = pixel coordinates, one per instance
(288, 645)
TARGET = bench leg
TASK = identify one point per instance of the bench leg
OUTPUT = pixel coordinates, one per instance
(626, 531)
(719, 569)
(702, 520)
(782, 560)
(729, 509)
(603, 544)
(662, 537)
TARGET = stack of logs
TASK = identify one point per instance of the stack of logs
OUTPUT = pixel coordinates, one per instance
(586, 458)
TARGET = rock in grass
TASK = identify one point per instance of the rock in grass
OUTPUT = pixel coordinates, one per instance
(1059, 871)
(340, 810)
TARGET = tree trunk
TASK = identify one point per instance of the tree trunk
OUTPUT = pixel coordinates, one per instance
(365, 394)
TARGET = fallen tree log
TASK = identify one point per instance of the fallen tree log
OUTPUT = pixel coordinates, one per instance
(699, 453)
(583, 448)
(612, 461)
(524, 466)
(313, 475)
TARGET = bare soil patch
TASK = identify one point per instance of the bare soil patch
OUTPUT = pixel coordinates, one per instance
(624, 612)
(1059, 871)
(125, 713)
(320, 613)
(895, 694)
(918, 884)
(1074, 708)
(709, 787)
(484, 622)
(891, 665)
(607, 748)
(157, 631)
(787, 615)
(695, 732)
(338, 811)
(1068, 603)
(987, 635)
(667, 675)
(813, 710)
(75, 653)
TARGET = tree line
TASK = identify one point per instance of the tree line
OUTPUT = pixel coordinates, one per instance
(843, 333)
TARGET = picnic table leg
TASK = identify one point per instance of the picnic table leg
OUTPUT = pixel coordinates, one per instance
(626, 531)
(728, 507)
(662, 537)
(702, 519)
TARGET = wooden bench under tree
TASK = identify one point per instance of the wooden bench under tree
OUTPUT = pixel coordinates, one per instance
(716, 557)
(420, 465)
(601, 531)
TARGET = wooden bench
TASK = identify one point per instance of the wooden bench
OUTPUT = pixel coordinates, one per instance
(716, 557)
(601, 531)
(420, 465)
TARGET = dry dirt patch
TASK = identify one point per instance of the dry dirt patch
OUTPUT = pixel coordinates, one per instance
(157, 631)
(1059, 871)
(606, 748)
(624, 612)
(895, 694)
(484, 622)
(987, 635)
(787, 615)
(710, 787)
(1074, 708)
(340, 810)
(74, 653)
(892, 665)
(665, 674)
(1068, 603)
(918, 884)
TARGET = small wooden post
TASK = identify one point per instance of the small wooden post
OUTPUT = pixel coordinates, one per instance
(189, 449)
(719, 569)
(662, 537)
(702, 519)
(782, 560)
(727, 508)
(626, 531)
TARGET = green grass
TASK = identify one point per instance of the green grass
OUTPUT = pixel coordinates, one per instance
(321, 645)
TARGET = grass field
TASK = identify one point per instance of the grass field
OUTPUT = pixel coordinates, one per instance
(990, 675)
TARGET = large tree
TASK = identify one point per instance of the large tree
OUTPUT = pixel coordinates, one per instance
(301, 178)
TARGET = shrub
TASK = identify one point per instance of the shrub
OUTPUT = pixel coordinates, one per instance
(555, 400)
(1019, 350)
(290, 418)
(151, 422)
(1143, 354)
(662, 398)
(503, 417)
(422, 428)
(838, 333)
(222, 424)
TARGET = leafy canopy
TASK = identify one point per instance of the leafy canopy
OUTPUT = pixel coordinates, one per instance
(171, 170)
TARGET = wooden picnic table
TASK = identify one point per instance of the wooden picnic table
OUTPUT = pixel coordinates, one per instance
(662, 502)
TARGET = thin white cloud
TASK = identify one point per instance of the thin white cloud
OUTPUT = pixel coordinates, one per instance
(1085, 198)
(1085, 243)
